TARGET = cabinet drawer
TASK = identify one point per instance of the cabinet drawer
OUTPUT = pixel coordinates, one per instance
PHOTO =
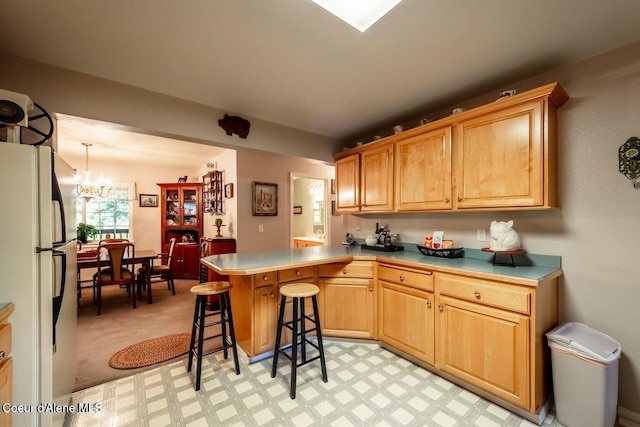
(265, 278)
(5, 340)
(407, 277)
(295, 274)
(509, 297)
(347, 269)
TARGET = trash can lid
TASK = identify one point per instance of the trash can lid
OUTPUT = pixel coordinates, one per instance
(586, 341)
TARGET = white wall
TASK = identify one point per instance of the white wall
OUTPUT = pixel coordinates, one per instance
(227, 163)
(271, 168)
(596, 231)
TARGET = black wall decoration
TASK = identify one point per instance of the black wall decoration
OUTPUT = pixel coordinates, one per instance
(235, 124)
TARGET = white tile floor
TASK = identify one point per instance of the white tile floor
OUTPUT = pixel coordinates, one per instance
(368, 386)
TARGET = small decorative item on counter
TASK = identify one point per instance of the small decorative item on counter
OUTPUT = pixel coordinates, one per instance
(371, 240)
(503, 236)
(428, 242)
(447, 244)
(438, 237)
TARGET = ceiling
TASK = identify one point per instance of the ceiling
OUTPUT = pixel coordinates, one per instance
(292, 63)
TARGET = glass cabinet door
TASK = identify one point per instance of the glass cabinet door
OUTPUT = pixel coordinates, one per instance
(190, 206)
(172, 208)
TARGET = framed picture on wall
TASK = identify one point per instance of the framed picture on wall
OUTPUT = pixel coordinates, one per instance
(228, 190)
(297, 210)
(148, 200)
(265, 199)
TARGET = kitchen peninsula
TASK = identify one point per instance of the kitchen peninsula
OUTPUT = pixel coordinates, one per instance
(478, 324)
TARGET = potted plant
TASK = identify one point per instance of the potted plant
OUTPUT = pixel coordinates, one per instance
(86, 231)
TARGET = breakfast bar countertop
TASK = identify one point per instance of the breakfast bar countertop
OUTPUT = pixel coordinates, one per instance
(533, 269)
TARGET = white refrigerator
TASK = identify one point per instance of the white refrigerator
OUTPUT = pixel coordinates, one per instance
(38, 274)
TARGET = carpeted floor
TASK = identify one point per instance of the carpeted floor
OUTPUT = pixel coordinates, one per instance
(119, 325)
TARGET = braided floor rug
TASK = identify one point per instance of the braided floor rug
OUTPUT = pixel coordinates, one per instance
(150, 352)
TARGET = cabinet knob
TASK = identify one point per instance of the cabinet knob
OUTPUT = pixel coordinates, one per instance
(265, 277)
(297, 272)
(476, 294)
(428, 303)
(344, 271)
(272, 295)
(459, 198)
(440, 307)
(446, 200)
(370, 288)
(401, 278)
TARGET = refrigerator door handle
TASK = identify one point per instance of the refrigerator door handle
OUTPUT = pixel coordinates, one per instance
(58, 206)
(57, 300)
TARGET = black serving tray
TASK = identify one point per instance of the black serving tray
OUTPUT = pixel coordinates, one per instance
(443, 253)
(383, 248)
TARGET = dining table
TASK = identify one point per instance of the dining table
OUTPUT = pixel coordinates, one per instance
(88, 259)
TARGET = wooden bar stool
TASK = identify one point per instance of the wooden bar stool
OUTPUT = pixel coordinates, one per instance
(196, 349)
(299, 291)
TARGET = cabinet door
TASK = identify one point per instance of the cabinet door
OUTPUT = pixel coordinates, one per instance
(377, 179)
(499, 158)
(348, 184)
(348, 308)
(191, 261)
(407, 320)
(6, 389)
(486, 347)
(423, 171)
(265, 319)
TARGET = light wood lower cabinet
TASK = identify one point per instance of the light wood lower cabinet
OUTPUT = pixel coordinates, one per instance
(486, 347)
(406, 315)
(6, 364)
(490, 334)
(348, 299)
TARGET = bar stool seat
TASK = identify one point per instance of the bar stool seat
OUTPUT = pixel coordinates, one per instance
(196, 349)
(298, 292)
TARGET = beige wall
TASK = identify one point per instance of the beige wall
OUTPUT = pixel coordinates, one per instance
(255, 166)
(76, 94)
(596, 231)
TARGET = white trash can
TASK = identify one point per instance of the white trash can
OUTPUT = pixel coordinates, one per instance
(584, 363)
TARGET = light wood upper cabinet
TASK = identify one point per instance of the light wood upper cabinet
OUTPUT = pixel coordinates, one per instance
(348, 184)
(500, 159)
(423, 171)
(499, 156)
(364, 182)
(377, 179)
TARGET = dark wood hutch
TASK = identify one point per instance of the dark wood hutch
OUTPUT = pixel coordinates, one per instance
(181, 217)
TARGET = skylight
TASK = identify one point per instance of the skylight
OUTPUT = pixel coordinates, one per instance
(360, 14)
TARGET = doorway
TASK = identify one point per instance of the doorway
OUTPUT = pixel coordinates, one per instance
(310, 203)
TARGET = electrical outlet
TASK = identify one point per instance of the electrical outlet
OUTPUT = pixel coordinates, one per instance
(260, 228)
(481, 234)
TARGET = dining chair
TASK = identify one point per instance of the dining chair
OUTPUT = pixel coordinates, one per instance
(118, 271)
(159, 273)
(95, 276)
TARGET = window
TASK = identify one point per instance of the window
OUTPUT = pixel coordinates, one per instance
(110, 215)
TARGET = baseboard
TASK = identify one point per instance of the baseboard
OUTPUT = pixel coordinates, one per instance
(628, 418)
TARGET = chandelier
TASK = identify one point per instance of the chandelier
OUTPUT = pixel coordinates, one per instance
(86, 188)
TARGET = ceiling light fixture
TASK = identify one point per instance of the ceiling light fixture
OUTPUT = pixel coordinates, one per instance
(360, 14)
(87, 189)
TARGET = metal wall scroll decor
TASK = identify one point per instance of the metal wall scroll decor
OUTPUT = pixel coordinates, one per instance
(629, 160)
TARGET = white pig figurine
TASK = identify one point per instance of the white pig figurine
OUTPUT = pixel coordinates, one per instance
(503, 236)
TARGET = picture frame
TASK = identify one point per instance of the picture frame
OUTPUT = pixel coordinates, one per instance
(228, 191)
(148, 200)
(297, 210)
(265, 199)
